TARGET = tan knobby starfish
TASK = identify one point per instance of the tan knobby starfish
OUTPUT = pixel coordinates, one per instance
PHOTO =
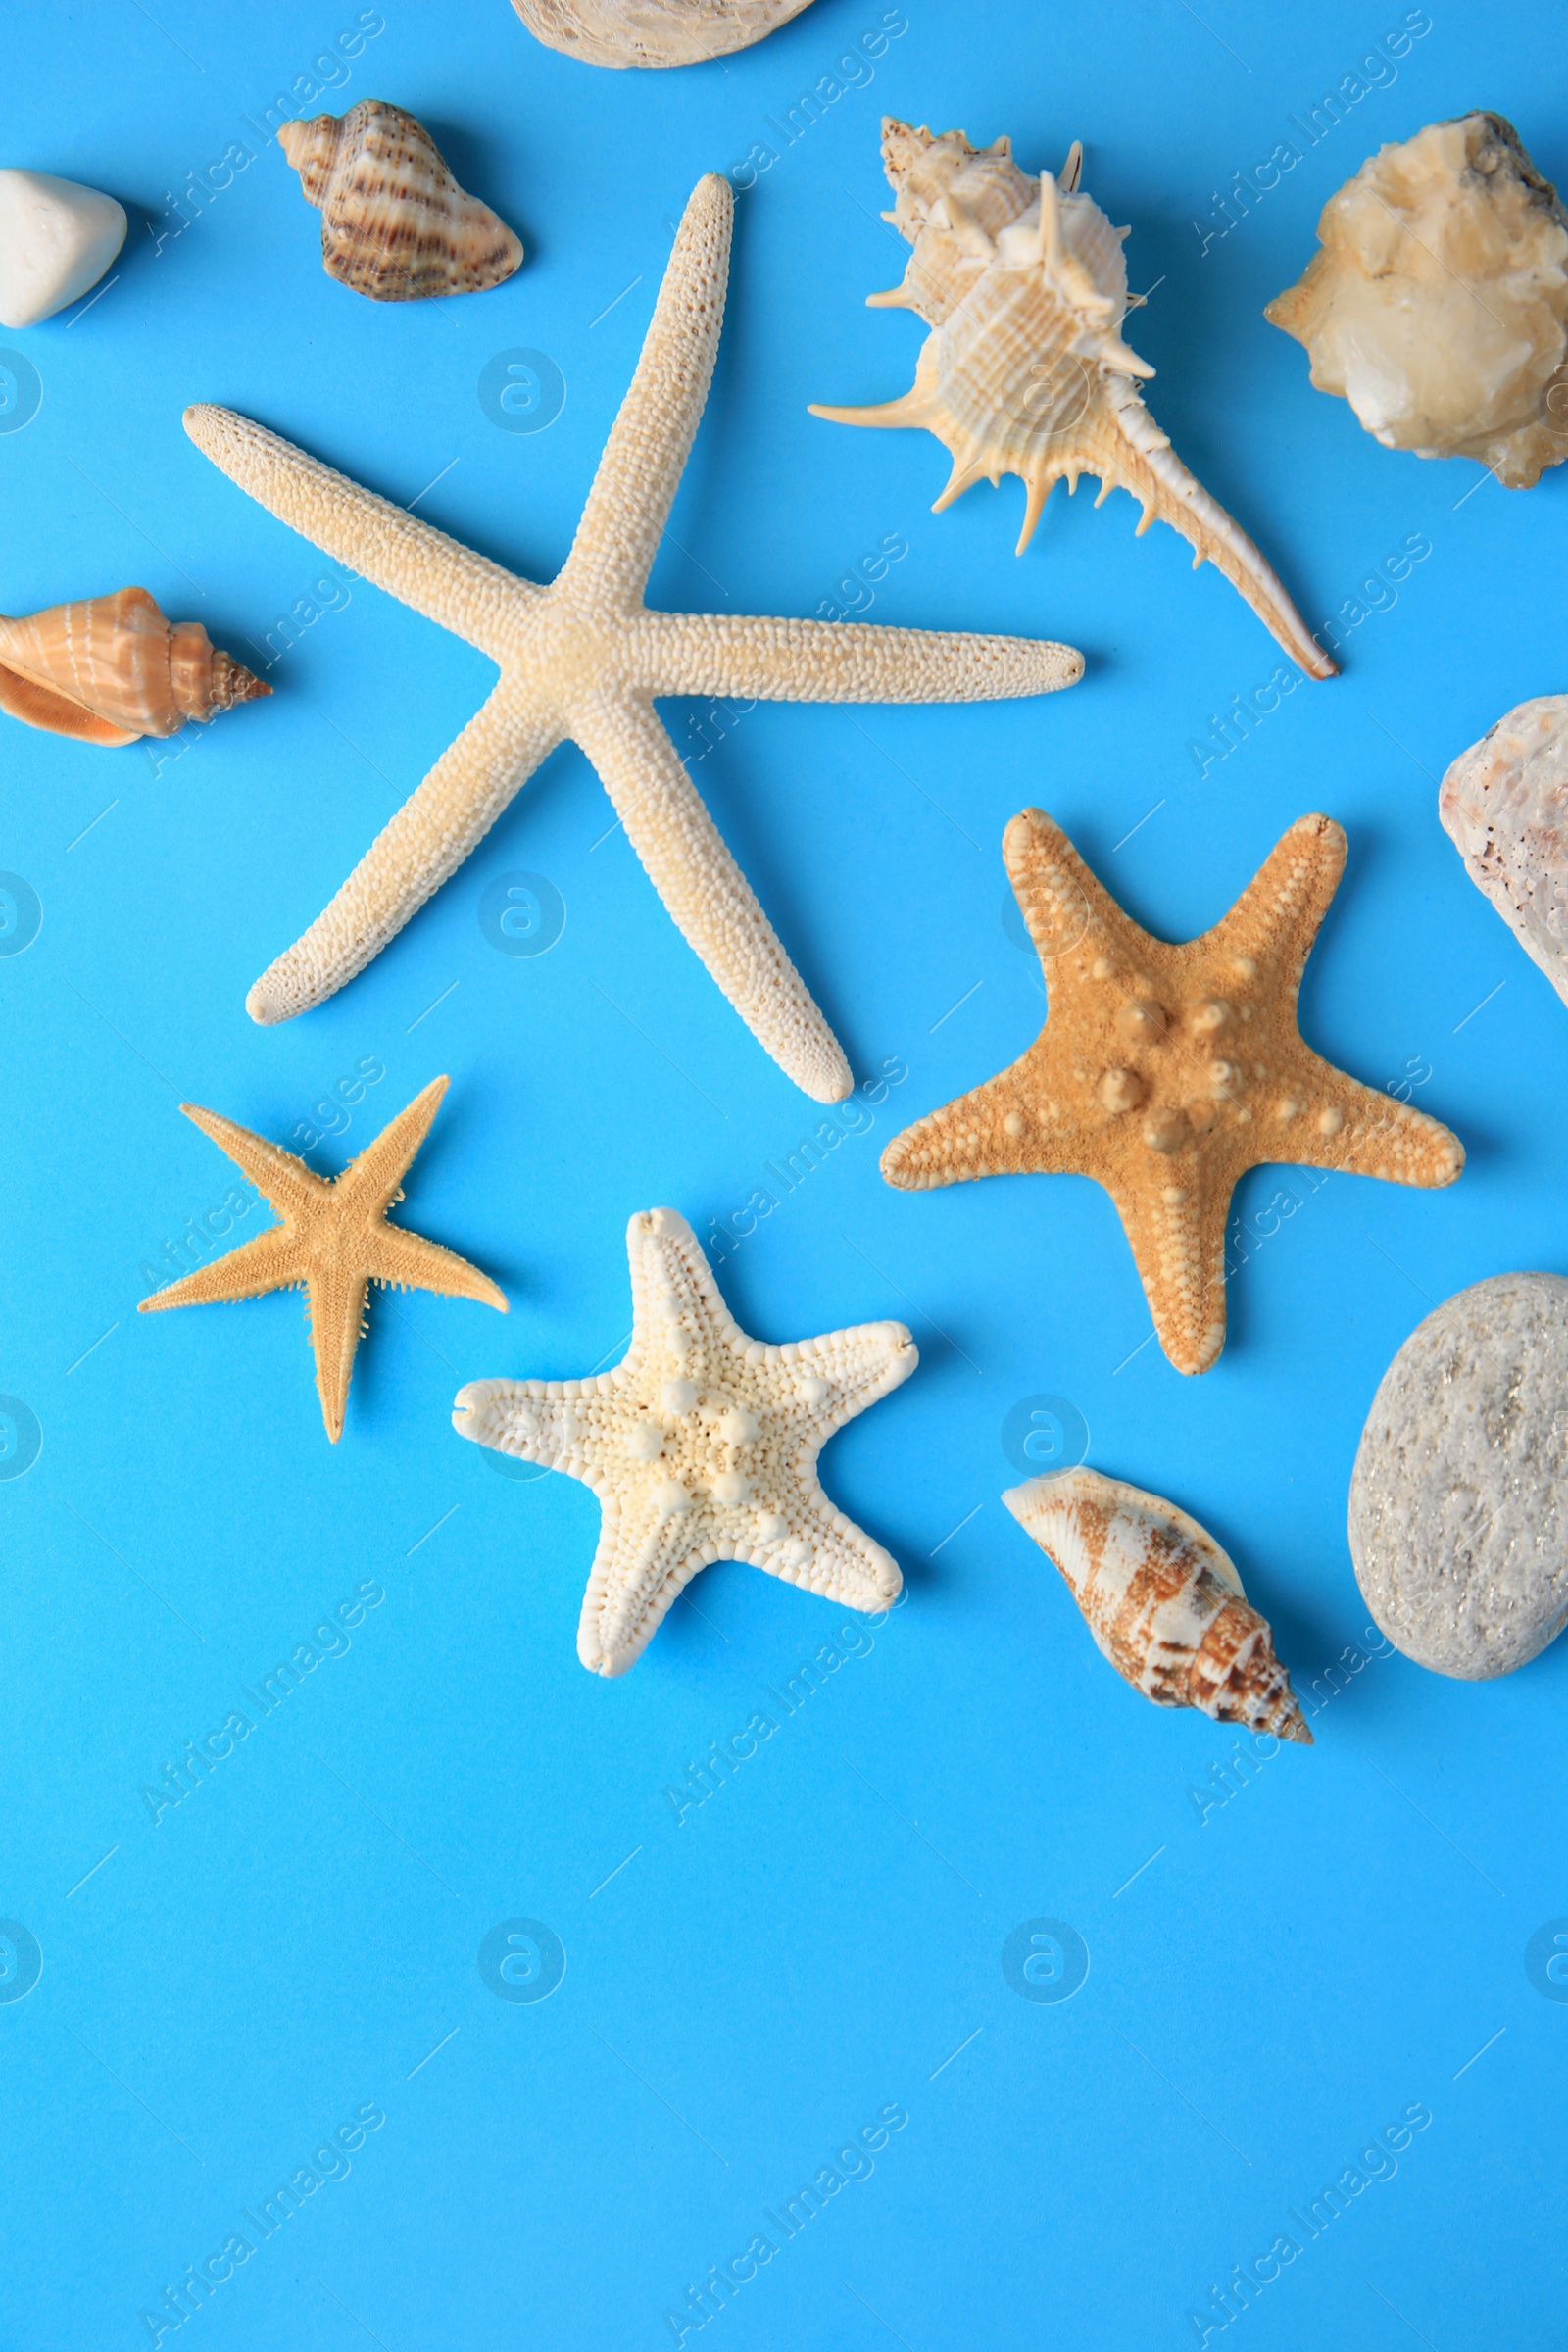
(584, 659)
(334, 1241)
(1167, 1071)
(701, 1445)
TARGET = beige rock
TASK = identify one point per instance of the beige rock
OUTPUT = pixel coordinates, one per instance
(57, 238)
(1439, 303)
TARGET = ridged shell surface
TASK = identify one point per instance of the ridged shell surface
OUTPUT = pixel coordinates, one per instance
(112, 668)
(1163, 1600)
(654, 32)
(1437, 305)
(395, 224)
(1023, 284)
(1504, 806)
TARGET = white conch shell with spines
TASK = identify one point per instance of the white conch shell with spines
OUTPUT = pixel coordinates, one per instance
(1161, 1598)
(584, 659)
(701, 1445)
(1024, 287)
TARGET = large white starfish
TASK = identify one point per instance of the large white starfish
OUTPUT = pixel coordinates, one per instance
(701, 1445)
(584, 659)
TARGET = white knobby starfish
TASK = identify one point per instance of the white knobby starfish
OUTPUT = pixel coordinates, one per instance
(584, 659)
(701, 1445)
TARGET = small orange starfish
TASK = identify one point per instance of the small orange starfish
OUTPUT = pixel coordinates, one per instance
(1165, 1072)
(334, 1241)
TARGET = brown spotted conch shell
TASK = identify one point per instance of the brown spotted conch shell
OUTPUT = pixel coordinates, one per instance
(1161, 1598)
(654, 32)
(1024, 287)
(111, 669)
(395, 224)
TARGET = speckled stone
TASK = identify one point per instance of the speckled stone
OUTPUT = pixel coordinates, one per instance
(1459, 1497)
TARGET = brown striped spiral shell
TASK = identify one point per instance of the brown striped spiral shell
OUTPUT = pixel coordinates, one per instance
(108, 669)
(1161, 1598)
(395, 224)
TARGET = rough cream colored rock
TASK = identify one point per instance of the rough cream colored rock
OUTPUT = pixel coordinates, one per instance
(1163, 1600)
(1504, 806)
(654, 32)
(1165, 1071)
(584, 659)
(1458, 1514)
(701, 1445)
(333, 1243)
(111, 669)
(57, 238)
(1439, 303)
(1023, 285)
(395, 224)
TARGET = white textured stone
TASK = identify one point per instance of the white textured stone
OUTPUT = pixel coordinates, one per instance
(56, 240)
(1460, 1498)
(1504, 806)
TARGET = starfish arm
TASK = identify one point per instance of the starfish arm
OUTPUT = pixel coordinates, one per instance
(1278, 915)
(646, 1558)
(427, 840)
(1338, 1123)
(1059, 898)
(271, 1262)
(839, 1375)
(673, 1286)
(843, 662)
(842, 1561)
(1178, 1246)
(640, 470)
(370, 1181)
(384, 544)
(706, 892)
(336, 1295)
(537, 1421)
(406, 1262)
(279, 1176)
(971, 1136)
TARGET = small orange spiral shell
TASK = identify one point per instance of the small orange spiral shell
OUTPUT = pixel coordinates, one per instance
(110, 669)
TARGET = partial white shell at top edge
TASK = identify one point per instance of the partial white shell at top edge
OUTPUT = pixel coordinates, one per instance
(654, 32)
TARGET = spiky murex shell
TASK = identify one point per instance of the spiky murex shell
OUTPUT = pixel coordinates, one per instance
(1023, 284)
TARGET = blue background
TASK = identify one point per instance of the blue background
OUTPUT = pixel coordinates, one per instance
(1288, 1969)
